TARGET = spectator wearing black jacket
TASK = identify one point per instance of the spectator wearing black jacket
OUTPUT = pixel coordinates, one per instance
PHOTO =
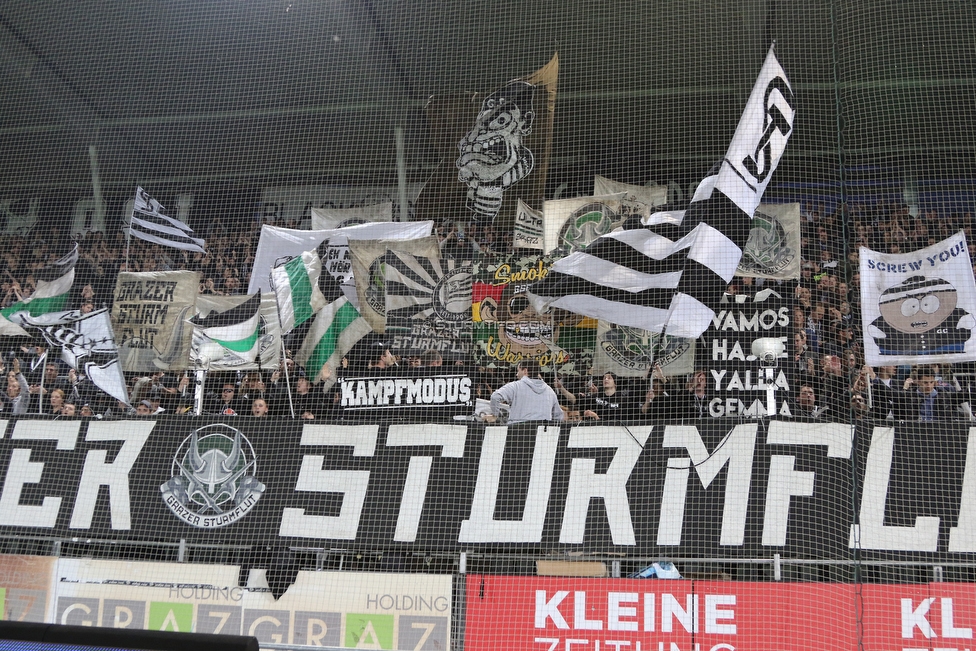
(609, 403)
(923, 401)
(692, 403)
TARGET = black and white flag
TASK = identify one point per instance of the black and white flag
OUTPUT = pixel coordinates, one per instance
(668, 274)
(150, 222)
(87, 344)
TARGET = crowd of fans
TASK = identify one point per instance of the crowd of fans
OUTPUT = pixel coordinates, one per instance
(829, 379)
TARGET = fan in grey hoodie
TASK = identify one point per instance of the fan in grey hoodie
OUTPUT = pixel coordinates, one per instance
(528, 397)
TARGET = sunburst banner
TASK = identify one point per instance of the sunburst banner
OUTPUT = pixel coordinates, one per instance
(369, 259)
(428, 304)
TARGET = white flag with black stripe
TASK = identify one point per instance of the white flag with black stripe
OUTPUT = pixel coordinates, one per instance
(150, 222)
(667, 275)
(87, 344)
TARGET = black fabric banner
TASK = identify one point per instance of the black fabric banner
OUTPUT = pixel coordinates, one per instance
(719, 488)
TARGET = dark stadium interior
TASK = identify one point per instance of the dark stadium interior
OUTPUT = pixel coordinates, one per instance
(223, 103)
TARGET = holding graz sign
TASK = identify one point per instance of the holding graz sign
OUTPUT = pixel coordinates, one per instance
(736, 384)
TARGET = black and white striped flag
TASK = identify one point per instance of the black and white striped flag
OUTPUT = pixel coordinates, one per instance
(151, 223)
(668, 274)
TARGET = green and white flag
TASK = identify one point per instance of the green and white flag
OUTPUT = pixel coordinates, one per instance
(53, 286)
(336, 329)
(296, 286)
(236, 331)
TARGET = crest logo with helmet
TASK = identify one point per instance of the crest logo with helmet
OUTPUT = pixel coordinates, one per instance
(213, 482)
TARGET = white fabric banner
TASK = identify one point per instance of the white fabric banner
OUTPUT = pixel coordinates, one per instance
(773, 248)
(326, 218)
(572, 224)
(277, 244)
(652, 195)
(632, 352)
(917, 307)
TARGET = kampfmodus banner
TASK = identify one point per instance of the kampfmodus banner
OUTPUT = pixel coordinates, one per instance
(918, 307)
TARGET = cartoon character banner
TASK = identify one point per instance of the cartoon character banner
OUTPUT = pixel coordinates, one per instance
(917, 307)
(494, 150)
(507, 329)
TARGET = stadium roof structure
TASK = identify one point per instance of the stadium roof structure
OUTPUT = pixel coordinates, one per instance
(301, 91)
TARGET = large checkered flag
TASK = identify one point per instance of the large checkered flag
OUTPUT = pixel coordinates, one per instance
(668, 275)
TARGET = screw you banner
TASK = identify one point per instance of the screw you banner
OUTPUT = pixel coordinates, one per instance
(918, 307)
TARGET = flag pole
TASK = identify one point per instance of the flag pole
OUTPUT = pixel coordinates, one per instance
(40, 402)
(201, 376)
(128, 234)
(281, 340)
(284, 362)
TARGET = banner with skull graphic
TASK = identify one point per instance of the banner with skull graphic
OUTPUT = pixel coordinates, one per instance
(917, 307)
(494, 150)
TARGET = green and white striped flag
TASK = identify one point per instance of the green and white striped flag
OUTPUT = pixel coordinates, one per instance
(53, 286)
(336, 329)
(296, 287)
(236, 330)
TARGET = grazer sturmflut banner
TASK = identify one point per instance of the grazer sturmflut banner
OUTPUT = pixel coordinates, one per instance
(723, 488)
(149, 316)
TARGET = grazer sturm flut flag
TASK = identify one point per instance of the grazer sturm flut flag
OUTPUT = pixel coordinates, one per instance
(236, 331)
(668, 277)
(53, 286)
(919, 307)
(296, 287)
(150, 222)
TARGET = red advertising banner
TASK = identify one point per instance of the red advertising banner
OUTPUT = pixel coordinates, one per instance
(577, 614)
